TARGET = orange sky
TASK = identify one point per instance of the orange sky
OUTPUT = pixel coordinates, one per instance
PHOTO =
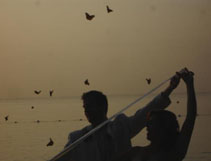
(48, 44)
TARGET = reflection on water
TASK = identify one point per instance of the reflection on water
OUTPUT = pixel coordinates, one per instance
(24, 138)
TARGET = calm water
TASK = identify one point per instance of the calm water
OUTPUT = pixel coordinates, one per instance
(26, 139)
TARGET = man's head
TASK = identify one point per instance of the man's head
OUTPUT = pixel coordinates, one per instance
(95, 106)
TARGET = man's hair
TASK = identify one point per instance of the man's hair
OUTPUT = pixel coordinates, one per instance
(170, 126)
(98, 97)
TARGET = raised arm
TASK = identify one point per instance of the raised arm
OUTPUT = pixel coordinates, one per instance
(138, 121)
(188, 125)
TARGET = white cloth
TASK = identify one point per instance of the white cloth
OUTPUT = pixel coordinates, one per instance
(113, 138)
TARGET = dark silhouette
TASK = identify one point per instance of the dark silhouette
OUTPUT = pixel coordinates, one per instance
(15, 122)
(37, 92)
(148, 80)
(38, 121)
(89, 17)
(6, 118)
(50, 143)
(108, 9)
(115, 137)
(177, 102)
(167, 142)
(32, 107)
(51, 92)
(86, 82)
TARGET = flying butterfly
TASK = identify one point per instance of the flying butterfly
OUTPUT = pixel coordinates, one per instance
(148, 80)
(6, 118)
(37, 92)
(108, 9)
(89, 17)
(86, 82)
(50, 143)
(51, 92)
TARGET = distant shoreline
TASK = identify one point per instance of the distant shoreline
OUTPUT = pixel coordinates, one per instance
(109, 95)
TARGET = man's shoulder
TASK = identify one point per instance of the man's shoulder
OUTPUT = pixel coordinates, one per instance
(120, 117)
(118, 125)
(79, 133)
(121, 120)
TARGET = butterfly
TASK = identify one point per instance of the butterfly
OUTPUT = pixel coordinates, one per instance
(37, 92)
(89, 17)
(50, 143)
(108, 9)
(6, 118)
(86, 82)
(51, 92)
(148, 80)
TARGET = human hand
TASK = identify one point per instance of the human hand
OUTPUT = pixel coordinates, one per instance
(174, 81)
(186, 75)
(173, 84)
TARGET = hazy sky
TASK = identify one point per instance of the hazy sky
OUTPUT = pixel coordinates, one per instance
(48, 44)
